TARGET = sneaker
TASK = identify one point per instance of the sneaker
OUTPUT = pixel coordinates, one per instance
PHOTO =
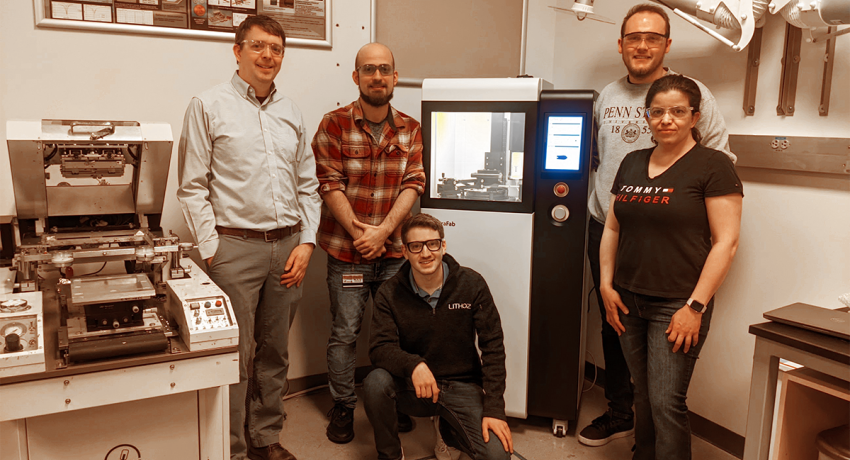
(341, 428)
(405, 423)
(441, 450)
(605, 429)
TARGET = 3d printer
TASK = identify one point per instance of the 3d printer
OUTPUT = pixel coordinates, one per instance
(91, 265)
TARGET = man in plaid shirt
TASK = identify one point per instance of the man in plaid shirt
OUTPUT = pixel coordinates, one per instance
(369, 165)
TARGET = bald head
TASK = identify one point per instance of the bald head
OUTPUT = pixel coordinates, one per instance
(374, 51)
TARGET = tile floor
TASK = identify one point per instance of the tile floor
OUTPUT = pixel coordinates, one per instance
(304, 435)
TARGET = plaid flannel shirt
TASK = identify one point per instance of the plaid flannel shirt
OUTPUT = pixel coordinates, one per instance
(371, 171)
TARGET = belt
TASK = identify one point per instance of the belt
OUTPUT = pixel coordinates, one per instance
(269, 236)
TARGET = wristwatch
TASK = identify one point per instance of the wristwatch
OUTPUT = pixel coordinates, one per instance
(696, 305)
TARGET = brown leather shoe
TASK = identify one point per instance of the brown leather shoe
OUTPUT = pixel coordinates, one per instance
(271, 452)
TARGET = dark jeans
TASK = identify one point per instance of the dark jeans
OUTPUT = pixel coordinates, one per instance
(661, 377)
(459, 406)
(347, 307)
(618, 387)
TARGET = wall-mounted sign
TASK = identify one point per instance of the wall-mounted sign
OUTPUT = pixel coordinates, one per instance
(306, 22)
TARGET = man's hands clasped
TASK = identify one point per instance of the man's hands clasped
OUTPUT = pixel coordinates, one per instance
(371, 241)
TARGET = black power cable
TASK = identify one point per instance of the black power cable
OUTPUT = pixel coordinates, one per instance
(139, 454)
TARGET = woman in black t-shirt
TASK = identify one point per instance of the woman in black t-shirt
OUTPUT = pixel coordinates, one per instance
(669, 240)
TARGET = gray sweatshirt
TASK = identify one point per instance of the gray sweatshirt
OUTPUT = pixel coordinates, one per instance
(622, 128)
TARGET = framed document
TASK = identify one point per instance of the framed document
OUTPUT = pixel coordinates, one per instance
(307, 22)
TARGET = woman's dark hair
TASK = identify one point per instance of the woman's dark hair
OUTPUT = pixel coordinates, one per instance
(683, 85)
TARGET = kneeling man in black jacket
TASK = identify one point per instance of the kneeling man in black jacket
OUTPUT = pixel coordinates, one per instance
(424, 329)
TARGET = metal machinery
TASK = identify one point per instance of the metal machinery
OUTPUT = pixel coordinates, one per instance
(101, 314)
(507, 164)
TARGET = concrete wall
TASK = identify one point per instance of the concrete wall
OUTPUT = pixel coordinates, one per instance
(794, 238)
(447, 38)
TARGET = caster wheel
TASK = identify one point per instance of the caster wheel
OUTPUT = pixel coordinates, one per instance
(560, 428)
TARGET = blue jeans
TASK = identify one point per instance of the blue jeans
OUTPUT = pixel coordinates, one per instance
(661, 377)
(618, 382)
(248, 270)
(347, 307)
(459, 407)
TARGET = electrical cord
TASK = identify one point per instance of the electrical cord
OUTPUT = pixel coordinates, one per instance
(139, 454)
(288, 396)
(135, 157)
(98, 270)
(588, 296)
(592, 359)
(595, 373)
(50, 156)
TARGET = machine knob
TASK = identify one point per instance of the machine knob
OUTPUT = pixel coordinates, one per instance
(560, 213)
(13, 306)
(116, 324)
(218, 303)
(13, 343)
(135, 308)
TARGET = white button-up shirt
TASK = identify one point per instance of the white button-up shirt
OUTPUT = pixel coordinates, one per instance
(243, 164)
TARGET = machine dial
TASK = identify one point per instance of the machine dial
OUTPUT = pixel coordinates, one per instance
(14, 328)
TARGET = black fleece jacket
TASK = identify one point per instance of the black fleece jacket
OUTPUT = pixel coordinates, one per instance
(407, 331)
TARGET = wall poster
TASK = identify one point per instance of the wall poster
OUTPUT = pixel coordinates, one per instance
(306, 22)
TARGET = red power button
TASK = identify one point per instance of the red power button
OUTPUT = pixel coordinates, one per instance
(561, 189)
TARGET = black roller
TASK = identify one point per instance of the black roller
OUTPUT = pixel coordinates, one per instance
(119, 345)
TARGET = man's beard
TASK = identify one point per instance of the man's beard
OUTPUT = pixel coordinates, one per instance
(376, 101)
(643, 71)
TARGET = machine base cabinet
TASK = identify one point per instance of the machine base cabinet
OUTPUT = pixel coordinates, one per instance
(809, 402)
(127, 414)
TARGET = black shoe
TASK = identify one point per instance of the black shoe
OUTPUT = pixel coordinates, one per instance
(606, 428)
(405, 423)
(271, 452)
(341, 427)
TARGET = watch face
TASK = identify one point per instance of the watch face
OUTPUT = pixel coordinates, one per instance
(698, 307)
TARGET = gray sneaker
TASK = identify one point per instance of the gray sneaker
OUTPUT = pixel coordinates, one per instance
(605, 429)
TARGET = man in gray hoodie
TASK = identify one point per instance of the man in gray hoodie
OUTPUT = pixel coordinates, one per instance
(622, 128)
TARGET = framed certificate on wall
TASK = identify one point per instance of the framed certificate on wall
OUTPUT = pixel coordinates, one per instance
(307, 22)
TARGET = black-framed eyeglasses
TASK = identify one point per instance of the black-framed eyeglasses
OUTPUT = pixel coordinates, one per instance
(258, 46)
(652, 39)
(369, 69)
(432, 245)
(678, 112)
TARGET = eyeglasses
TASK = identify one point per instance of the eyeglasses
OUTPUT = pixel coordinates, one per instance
(678, 112)
(259, 46)
(652, 39)
(416, 246)
(369, 69)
